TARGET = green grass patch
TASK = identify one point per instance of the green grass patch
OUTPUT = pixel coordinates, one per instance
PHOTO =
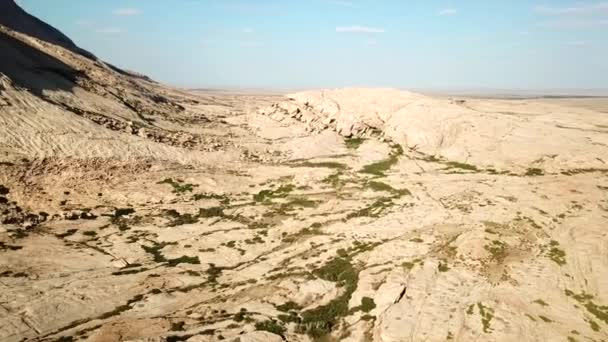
(353, 143)
(213, 272)
(209, 196)
(487, 314)
(67, 233)
(321, 320)
(336, 180)
(118, 218)
(314, 229)
(177, 219)
(118, 212)
(379, 168)
(408, 265)
(321, 164)
(271, 326)
(458, 165)
(579, 171)
(297, 202)
(211, 212)
(379, 186)
(159, 257)
(599, 311)
(178, 185)
(289, 306)
(367, 304)
(184, 260)
(497, 250)
(431, 159)
(471, 309)
(534, 172)
(540, 302)
(376, 209)
(556, 254)
(269, 194)
(292, 317)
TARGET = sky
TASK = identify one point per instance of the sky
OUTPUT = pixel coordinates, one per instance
(298, 44)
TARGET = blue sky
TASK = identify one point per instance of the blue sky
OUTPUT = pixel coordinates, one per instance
(280, 44)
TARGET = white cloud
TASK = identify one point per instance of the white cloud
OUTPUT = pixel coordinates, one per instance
(248, 30)
(127, 12)
(359, 29)
(581, 9)
(109, 30)
(577, 16)
(574, 23)
(447, 11)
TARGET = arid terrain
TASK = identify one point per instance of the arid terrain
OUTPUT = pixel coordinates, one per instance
(133, 211)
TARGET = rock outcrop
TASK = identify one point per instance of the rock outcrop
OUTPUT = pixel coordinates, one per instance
(455, 129)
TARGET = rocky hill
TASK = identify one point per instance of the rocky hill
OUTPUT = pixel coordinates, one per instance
(49, 84)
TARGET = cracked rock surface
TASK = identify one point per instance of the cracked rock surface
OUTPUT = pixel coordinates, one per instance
(131, 211)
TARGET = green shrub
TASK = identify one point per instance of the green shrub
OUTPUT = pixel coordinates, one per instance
(353, 143)
(533, 172)
(367, 304)
(271, 326)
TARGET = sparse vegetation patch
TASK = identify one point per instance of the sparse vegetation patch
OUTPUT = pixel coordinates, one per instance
(158, 256)
(462, 166)
(497, 250)
(376, 209)
(320, 321)
(533, 172)
(379, 168)
(379, 186)
(268, 195)
(487, 314)
(556, 254)
(271, 326)
(599, 311)
(353, 143)
(367, 304)
(178, 185)
(328, 165)
(178, 219)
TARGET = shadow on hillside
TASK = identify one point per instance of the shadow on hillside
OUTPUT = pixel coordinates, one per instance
(33, 69)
